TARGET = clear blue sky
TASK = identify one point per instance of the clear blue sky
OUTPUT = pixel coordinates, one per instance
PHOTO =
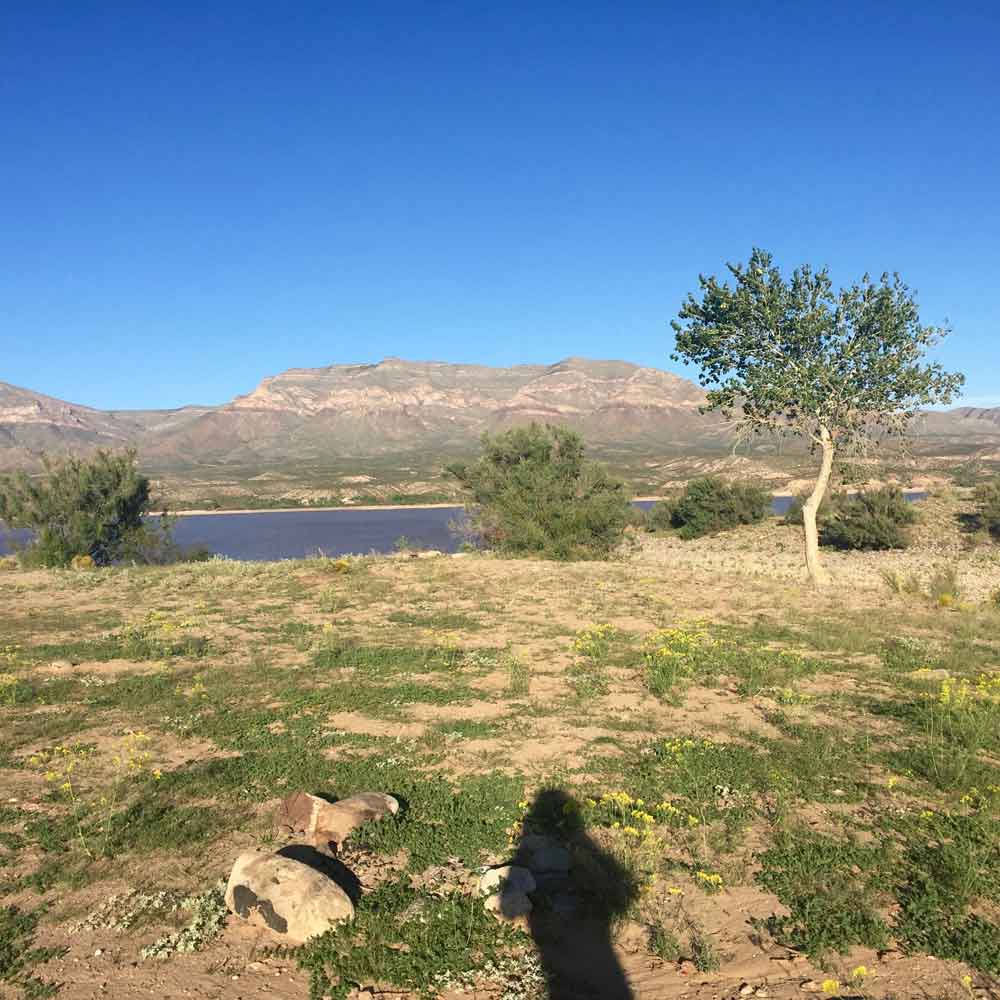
(195, 195)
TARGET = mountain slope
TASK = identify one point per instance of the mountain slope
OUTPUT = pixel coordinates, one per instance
(401, 408)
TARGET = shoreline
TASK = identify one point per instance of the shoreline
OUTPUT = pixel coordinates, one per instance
(409, 506)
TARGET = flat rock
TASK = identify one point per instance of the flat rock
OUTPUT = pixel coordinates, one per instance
(509, 878)
(291, 899)
(327, 825)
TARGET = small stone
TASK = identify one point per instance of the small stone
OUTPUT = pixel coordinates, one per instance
(746, 990)
(294, 901)
(810, 986)
(508, 906)
(509, 878)
(328, 824)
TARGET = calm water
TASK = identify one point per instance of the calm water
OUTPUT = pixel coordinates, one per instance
(271, 535)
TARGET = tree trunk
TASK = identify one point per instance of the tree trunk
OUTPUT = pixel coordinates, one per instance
(817, 574)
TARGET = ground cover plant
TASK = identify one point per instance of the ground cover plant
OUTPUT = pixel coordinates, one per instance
(754, 788)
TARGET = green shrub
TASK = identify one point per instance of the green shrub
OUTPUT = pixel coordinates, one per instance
(660, 516)
(711, 504)
(78, 507)
(532, 492)
(877, 519)
(988, 509)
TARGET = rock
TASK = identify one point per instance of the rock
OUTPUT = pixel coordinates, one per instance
(295, 901)
(429, 554)
(746, 990)
(508, 879)
(810, 986)
(509, 906)
(542, 855)
(327, 824)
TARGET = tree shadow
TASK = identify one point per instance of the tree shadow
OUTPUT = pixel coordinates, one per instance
(581, 892)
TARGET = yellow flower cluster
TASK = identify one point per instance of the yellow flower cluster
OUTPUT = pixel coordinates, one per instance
(669, 811)
(593, 642)
(709, 880)
(10, 652)
(963, 694)
(977, 798)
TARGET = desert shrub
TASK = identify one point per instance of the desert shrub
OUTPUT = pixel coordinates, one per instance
(967, 474)
(710, 504)
(532, 492)
(660, 516)
(877, 519)
(943, 586)
(988, 509)
(902, 583)
(78, 507)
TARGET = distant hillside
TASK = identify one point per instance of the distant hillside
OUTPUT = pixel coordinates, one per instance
(391, 407)
(417, 409)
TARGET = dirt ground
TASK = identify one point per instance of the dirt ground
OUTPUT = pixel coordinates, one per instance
(477, 682)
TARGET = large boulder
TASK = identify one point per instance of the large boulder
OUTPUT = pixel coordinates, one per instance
(291, 899)
(326, 825)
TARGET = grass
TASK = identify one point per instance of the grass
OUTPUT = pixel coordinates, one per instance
(777, 742)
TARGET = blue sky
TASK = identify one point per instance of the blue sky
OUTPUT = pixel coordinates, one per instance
(198, 195)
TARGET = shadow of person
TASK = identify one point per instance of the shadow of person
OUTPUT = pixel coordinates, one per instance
(581, 892)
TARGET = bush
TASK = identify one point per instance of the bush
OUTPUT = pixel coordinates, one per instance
(660, 516)
(877, 519)
(710, 504)
(78, 507)
(988, 509)
(531, 491)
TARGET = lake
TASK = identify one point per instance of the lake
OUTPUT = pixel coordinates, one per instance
(271, 535)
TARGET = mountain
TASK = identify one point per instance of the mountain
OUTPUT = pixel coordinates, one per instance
(32, 423)
(418, 408)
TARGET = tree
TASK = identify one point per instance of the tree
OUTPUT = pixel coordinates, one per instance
(797, 357)
(532, 491)
(79, 507)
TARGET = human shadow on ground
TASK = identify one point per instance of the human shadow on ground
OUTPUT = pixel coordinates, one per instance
(581, 891)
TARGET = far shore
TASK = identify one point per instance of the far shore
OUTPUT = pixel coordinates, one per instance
(410, 506)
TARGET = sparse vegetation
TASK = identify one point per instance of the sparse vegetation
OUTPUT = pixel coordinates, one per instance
(689, 729)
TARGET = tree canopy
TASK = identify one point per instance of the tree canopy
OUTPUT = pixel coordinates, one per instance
(796, 355)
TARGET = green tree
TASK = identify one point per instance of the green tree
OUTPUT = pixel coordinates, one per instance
(80, 506)
(795, 356)
(532, 491)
